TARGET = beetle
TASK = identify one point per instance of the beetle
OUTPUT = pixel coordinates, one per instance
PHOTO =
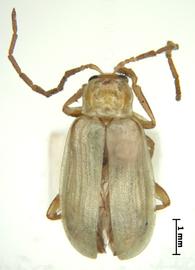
(107, 188)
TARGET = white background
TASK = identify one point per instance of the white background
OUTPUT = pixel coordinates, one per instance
(58, 35)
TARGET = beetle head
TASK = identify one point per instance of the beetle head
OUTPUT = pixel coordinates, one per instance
(107, 95)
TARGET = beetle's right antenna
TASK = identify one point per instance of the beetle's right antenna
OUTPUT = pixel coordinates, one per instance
(27, 80)
(168, 51)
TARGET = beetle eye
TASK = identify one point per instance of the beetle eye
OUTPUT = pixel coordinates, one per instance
(93, 77)
(123, 77)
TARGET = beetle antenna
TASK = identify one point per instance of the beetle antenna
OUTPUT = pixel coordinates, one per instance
(27, 80)
(168, 51)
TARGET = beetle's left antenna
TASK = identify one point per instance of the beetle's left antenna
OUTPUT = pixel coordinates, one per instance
(27, 80)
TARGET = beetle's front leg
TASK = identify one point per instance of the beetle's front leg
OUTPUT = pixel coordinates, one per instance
(162, 196)
(54, 211)
(146, 124)
(76, 111)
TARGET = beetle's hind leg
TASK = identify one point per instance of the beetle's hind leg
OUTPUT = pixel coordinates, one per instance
(54, 211)
(162, 196)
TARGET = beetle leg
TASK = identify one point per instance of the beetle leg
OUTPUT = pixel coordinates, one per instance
(141, 98)
(162, 196)
(160, 192)
(54, 211)
(76, 111)
(143, 121)
(27, 80)
(150, 144)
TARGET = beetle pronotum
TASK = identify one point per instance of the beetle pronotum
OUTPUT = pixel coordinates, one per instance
(107, 191)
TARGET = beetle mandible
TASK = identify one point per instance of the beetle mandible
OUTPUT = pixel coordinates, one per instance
(107, 191)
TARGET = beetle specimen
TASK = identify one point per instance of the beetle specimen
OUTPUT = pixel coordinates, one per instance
(107, 191)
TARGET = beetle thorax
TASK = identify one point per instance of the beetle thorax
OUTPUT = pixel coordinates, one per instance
(107, 96)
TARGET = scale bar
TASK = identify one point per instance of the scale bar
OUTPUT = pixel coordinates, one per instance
(176, 237)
